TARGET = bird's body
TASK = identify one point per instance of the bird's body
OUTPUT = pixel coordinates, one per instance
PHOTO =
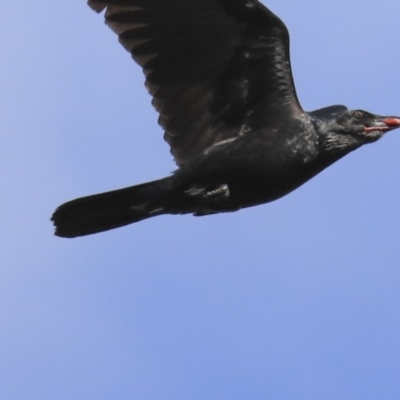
(219, 73)
(254, 168)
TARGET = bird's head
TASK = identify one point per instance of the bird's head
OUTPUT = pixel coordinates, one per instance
(345, 130)
(365, 126)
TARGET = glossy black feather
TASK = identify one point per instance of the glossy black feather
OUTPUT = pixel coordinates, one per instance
(216, 69)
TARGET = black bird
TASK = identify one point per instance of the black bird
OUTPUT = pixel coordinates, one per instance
(220, 76)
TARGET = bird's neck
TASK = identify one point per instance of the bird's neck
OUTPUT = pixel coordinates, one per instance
(332, 146)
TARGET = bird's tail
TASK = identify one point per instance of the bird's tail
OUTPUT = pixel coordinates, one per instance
(104, 211)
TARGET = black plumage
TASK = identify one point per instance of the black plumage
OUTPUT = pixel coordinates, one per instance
(220, 76)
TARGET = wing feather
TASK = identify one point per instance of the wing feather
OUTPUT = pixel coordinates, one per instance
(216, 69)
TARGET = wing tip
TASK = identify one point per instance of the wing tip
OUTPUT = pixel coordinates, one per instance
(97, 5)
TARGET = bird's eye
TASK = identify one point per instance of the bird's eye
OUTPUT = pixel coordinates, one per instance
(359, 114)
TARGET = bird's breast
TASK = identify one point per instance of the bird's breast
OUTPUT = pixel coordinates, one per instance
(256, 169)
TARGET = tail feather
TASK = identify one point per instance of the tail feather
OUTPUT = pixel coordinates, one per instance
(105, 211)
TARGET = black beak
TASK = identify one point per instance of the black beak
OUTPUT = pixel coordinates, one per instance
(384, 124)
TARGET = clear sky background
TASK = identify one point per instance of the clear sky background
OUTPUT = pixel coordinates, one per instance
(297, 299)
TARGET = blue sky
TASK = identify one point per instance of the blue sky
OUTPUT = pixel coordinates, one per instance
(297, 299)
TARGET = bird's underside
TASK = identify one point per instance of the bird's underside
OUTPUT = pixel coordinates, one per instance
(220, 78)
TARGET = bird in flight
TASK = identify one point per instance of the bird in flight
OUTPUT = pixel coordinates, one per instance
(220, 77)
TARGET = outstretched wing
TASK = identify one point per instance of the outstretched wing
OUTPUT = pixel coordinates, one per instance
(217, 69)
